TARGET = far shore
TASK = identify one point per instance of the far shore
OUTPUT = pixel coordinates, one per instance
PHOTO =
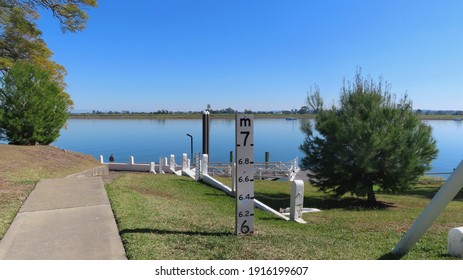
(193, 116)
(185, 116)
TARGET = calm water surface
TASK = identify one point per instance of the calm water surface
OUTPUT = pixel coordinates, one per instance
(147, 140)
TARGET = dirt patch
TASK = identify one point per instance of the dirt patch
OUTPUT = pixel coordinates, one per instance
(152, 192)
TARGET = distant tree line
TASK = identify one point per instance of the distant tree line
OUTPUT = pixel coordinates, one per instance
(301, 111)
(440, 112)
(304, 110)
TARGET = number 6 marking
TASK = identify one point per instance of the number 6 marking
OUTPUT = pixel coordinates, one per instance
(244, 227)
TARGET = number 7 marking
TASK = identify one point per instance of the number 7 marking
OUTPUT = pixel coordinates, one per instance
(246, 137)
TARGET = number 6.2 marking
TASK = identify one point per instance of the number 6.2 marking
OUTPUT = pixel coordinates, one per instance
(245, 137)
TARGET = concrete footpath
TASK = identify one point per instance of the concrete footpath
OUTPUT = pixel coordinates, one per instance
(64, 219)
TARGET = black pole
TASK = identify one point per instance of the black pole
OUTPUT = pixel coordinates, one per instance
(191, 146)
(267, 159)
(206, 133)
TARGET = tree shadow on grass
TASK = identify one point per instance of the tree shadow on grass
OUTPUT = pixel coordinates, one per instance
(281, 200)
(429, 192)
(217, 194)
(168, 232)
(390, 256)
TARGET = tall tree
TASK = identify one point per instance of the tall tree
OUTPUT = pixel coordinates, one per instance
(370, 139)
(70, 13)
(314, 100)
(32, 106)
(21, 40)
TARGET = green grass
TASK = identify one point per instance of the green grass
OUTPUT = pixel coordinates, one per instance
(169, 217)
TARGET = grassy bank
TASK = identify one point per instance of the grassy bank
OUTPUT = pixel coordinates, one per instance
(21, 167)
(169, 217)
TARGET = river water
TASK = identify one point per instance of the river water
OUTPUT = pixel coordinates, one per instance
(148, 140)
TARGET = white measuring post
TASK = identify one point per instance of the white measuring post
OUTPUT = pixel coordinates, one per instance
(297, 201)
(244, 175)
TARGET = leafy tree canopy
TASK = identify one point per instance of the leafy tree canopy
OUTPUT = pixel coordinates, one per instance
(21, 40)
(70, 13)
(369, 140)
(32, 107)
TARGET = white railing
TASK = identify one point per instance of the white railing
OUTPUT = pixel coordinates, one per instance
(262, 170)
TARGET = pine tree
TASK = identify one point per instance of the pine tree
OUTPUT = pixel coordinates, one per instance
(369, 140)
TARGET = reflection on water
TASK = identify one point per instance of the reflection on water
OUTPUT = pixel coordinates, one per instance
(148, 140)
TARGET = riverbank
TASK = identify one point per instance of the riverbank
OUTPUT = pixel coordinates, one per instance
(21, 167)
(143, 204)
(185, 116)
(194, 116)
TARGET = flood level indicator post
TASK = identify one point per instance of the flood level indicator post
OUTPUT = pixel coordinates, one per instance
(244, 176)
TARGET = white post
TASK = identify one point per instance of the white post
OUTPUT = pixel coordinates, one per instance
(297, 201)
(161, 166)
(204, 164)
(172, 164)
(455, 242)
(198, 167)
(185, 165)
(164, 164)
(101, 159)
(132, 160)
(443, 197)
(152, 168)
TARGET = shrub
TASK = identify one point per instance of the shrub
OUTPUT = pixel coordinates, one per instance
(32, 105)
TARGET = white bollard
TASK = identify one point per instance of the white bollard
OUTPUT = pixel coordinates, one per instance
(152, 168)
(164, 164)
(204, 164)
(197, 167)
(455, 242)
(297, 201)
(440, 200)
(172, 164)
(185, 165)
(132, 160)
(161, 165)
(101, 159)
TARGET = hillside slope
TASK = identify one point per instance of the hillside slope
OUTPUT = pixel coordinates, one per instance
(21, 167)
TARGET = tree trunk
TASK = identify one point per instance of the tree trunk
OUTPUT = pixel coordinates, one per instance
(371, 194)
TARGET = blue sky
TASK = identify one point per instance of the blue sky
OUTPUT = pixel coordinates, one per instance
(149, 55)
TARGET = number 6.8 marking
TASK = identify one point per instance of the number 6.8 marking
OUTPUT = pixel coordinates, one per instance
(245, 161)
